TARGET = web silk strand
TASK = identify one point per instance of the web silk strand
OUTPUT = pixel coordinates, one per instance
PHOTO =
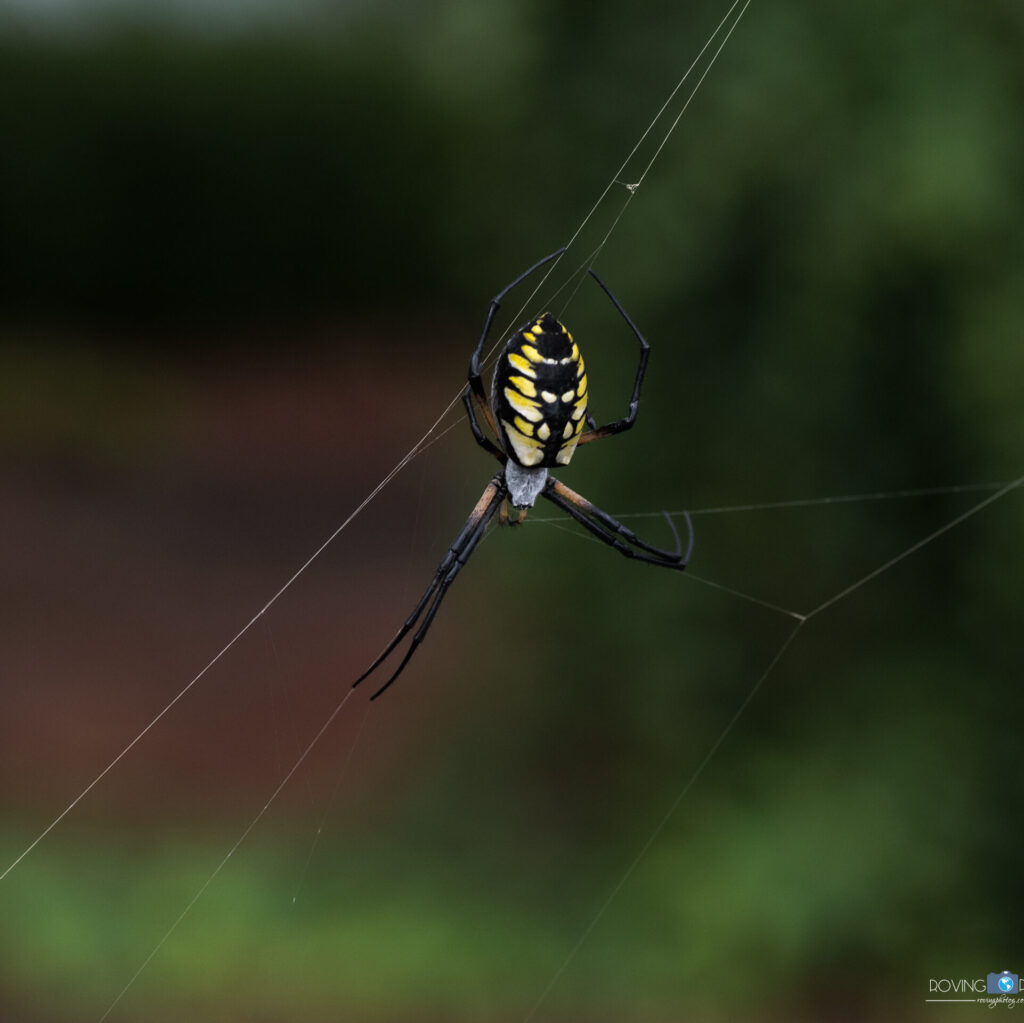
(744, 705)
(231, 852)
(428, 438)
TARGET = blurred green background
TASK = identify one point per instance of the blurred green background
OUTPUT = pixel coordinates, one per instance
(245, 250)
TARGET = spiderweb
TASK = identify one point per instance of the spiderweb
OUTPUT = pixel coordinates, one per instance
(434, 432)
(800, 616)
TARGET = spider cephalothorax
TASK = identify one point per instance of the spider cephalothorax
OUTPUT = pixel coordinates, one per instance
(538, 416)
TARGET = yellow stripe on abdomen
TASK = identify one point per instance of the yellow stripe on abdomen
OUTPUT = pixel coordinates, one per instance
(524, 406)
(527, 450)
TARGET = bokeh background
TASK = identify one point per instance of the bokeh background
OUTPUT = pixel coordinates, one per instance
(246, 249)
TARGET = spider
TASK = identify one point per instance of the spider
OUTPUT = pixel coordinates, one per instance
(537, 414)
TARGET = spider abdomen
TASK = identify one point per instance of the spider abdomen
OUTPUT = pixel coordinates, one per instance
(539, 394)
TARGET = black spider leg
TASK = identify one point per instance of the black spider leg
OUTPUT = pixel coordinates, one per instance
(474, 362)
(609, 430)
(468, 397)
(458, 554)
(475, 388)
(612, 532)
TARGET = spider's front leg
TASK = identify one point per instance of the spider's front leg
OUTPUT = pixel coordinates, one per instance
(612, 532)
(458, 554)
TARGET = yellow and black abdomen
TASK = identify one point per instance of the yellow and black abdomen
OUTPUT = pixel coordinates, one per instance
(539, 395)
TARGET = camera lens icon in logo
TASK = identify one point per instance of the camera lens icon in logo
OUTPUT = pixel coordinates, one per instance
(1004, 983)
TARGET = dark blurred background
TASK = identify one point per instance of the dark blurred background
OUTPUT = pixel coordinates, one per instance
(245, 250)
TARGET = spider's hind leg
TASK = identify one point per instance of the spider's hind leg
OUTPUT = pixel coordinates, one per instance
(474, 361)
(623, 424)
(471, 399)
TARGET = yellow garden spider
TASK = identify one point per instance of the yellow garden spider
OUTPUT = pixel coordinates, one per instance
(537, 414)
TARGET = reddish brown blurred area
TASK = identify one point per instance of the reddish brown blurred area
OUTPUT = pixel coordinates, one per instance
(121, 585)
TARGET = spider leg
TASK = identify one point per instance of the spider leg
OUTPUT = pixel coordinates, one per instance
(469, 399)
(474, 362)
(458, 554)
(475, 393)
(612, 532)
(620, 425)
